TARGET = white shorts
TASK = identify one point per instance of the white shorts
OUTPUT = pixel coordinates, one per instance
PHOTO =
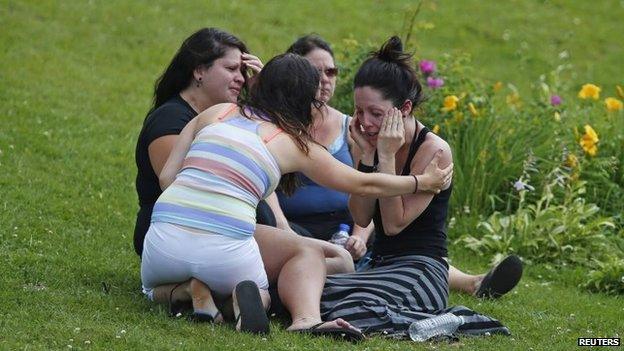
(173, 254)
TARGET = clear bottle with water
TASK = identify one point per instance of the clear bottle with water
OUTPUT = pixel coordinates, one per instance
(442, 325)
(341, 236)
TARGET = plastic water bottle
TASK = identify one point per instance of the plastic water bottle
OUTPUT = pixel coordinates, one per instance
(341, 236)
(445, 324)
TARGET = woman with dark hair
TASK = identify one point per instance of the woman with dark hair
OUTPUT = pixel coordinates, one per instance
(408, 278)
(317, 212)
(225, 161)
(207, 69)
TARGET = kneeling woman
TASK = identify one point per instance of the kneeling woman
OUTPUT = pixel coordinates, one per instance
(409, 275)
(225, 161)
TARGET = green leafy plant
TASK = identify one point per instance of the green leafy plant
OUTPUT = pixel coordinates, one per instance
(606, 276)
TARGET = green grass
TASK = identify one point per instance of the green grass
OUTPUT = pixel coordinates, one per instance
(77, 79)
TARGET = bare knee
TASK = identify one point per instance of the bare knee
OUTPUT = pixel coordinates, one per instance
(337, 259)
(304, 248)
(340, 263)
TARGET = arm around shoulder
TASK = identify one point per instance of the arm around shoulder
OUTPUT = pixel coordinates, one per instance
(400, 211)
(177, 155)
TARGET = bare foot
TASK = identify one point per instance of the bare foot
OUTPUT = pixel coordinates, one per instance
(203, 303)
(476, 284)
(172, 293)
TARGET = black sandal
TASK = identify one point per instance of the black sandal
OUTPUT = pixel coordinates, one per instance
(501, 279)
(335, 333)
(178, 308)
(202, 317)
(252, 316)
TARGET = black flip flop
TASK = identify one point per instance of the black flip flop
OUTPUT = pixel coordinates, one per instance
(335, 333)
(252, 315)
(178, 308)
(201, 317)
(501, 279)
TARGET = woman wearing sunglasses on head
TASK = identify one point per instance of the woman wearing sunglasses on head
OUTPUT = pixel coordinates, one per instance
(224, 162)
(317, 212)
(409, 275)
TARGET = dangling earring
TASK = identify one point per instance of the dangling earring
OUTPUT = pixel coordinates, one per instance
(199, 82)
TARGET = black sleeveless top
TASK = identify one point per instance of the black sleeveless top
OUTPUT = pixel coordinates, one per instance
(426, 235)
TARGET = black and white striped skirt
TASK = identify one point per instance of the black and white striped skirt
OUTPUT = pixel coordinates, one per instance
(396, 292)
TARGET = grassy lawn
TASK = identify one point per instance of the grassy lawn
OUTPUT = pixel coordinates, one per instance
(77, 78)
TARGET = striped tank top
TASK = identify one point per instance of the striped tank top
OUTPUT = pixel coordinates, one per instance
(226, 172)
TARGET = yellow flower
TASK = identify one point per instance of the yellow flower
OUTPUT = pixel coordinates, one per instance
(591, 133)
(450, 103)
(498, 86)
(589, 91)
(620, 91)
(613, 104)
(589, 141)
(557, 116)
(436, 129)
(473, 109)
(513, 100)
(571, 161)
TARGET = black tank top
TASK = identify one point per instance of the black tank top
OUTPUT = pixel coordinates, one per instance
(426, 235)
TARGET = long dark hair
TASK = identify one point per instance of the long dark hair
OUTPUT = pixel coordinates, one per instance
(307, 43)
(391, 71)
(284, 94)
(202, 48)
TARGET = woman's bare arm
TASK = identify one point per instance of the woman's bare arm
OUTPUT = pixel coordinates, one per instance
(177, 155)
(397, 212)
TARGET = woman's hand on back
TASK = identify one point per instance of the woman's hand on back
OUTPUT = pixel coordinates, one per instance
(434, 178)
(391, 134)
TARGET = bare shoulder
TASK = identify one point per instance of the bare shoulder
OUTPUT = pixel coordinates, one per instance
(213, 113)
(334, 112)
(430, 146)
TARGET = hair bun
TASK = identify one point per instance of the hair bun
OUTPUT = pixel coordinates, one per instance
(391, 50)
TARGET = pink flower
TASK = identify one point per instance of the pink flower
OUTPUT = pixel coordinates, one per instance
(427, 67)
(434, 83)
(556, 100)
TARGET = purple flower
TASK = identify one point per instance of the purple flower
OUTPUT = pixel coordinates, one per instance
(556, 100)
(427, 67)
(434, 83)
(519, 185)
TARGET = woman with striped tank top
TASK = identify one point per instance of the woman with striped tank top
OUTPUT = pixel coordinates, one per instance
(225, 161)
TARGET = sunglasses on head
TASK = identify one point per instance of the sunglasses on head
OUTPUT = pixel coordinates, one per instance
(329, 72)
